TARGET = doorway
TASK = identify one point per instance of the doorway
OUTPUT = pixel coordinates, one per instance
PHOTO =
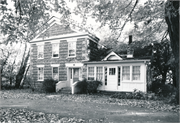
(74, 75)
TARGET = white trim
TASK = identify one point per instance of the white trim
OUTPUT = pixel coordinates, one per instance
(39, 43)
(74, 64)
(55, 65)
(40, 65)
(72, 39)
(112, 53)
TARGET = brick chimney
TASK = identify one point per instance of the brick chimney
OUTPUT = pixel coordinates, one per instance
(130, 51)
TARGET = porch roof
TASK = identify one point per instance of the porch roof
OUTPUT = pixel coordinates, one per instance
(145, 61)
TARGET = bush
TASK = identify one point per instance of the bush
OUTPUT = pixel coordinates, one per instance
(82, 86)
(85, 86)
(49, 85)
(92, 86)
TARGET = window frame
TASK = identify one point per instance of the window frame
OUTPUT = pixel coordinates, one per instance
(72, 48)
(89, 72)
(39, 52)
(57, 73)
(38, 74)
(99, 73)
(55, 44)
(129, 73)
(139, 72)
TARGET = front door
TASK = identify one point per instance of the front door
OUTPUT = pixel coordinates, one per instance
(74, 75)
(112, 78)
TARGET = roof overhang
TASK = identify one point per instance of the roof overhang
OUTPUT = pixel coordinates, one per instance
(144, 61)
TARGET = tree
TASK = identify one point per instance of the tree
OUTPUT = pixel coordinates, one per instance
(161, 60)
(172, 20)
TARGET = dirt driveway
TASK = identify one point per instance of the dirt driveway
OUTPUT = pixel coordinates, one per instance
(90, 110)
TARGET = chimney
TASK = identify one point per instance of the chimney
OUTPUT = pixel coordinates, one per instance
(130, 51)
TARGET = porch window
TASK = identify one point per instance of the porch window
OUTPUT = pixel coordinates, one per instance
(40, 49)
(99, 73)
(72, 49)
(55, 73)
(105, 75)
(90, 73)
(119, 75)
(40, 73)
(112, 71)
(55, 50)
(136, 73)
(126, 73)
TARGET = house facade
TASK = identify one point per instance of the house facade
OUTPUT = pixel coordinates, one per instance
(67, 55)
(119, 74)
(58, 52)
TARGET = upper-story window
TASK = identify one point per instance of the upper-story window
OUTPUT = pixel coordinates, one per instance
(40, 49)
(72, 49)
(55, 50)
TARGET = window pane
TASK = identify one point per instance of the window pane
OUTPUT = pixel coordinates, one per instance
(99, 73)
(40, 73)
(40, 51)
(90, 73)
(55, 50)
(112, 71)
(119, 75)
(72, 48)
(55, 73)
(126, 73)
(136, 72)
(105, 75)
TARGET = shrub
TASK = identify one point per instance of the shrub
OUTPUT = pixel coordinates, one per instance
(82, 86)
(85, 86)
(92, 86)
(49, 85)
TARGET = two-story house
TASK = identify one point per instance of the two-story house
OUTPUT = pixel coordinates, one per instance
(67, 55)
(58, 52)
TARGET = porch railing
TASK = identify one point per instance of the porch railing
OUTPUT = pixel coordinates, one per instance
(60, 85)
(74, 88)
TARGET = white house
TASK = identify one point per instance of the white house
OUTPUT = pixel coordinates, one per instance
(118, 74)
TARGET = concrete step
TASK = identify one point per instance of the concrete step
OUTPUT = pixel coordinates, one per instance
(66, 90)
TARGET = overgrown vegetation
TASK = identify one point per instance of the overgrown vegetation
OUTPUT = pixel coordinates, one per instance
(90, 87)
(49, 85)
(139, 95)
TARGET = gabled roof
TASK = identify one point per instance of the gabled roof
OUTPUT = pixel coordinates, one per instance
(56, 30)
(112, 56)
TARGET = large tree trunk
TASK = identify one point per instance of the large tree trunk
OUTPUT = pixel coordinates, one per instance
(172, 20)
(22, 71)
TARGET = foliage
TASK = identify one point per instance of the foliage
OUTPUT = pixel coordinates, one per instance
(161, 60)
(130, 95)
(92, 86)
(88, 86)
(49, 85)
(82, 86)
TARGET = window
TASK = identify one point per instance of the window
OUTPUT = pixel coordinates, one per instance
(112, 71)
(119, 75)
(55, 50)
(136, 73)
(90, 73)
(55, 73)
(72, 49)
(126, 73)
(99, 73)
(40, 73)
(105, 75)
(40, 54)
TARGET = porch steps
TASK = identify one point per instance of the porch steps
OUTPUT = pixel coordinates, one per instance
(66, 90)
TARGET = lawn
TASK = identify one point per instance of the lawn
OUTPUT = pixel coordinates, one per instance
(27, 106)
